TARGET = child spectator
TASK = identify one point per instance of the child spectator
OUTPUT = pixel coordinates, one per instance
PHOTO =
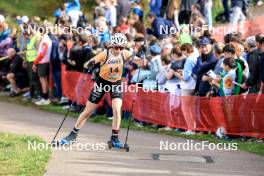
(226, 85)
(155, 67)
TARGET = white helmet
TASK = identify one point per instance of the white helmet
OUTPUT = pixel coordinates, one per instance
(119, 39)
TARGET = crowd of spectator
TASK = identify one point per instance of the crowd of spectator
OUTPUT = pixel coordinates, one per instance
(184, 63)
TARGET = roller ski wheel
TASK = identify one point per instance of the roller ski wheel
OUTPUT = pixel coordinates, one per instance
(126, 147)
(110, 145)
(114, 143)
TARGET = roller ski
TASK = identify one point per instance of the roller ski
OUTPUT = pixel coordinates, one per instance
(68, 140)
(114, 143)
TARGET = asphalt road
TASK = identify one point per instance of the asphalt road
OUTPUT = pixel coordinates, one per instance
(145, 157)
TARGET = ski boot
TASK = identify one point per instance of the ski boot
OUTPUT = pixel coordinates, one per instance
(69, 139)
(116, 144)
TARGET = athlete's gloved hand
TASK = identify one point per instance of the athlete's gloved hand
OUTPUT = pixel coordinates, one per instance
(89, 64)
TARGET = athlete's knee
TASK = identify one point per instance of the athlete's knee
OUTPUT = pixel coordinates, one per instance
(116, 110)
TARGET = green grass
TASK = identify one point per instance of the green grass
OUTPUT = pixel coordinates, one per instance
(16, 159)
(38, 7)
(253, 147)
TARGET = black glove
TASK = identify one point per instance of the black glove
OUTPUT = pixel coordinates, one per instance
(91, 64)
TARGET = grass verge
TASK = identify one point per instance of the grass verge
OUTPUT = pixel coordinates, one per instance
(16, 159)
(252, 147)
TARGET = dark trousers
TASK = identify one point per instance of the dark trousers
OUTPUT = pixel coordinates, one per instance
(34, 83)
(56, 75)
(226, 8)
(184, 17)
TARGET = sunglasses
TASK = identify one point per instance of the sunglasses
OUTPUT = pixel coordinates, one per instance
(118, 48)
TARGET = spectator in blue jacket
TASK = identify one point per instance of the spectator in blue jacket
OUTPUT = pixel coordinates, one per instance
(75, 5)
(155, 6)
(56, 65)
(159, 26)
(207, 61)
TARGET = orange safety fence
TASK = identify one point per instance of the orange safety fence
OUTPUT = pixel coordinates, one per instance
(240, 115)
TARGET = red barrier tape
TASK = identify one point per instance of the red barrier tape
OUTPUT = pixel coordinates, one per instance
(240, 115)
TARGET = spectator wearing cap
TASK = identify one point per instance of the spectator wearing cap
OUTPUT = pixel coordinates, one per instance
(254, 63)
(137, 9)
(219, 54)
(137, 18)
(155, 6)
(155, 66)
(205, 62)
(155, 62)
(158, 25)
